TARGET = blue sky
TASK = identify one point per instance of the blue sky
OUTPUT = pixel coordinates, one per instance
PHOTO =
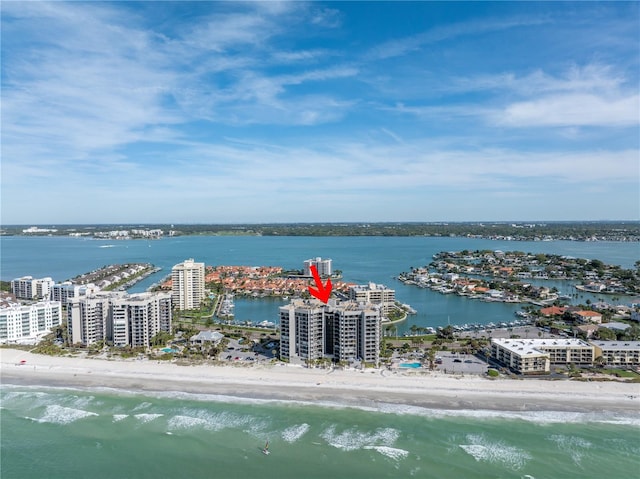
(307, 112)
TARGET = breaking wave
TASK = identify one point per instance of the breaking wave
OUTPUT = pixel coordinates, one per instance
(482, 449)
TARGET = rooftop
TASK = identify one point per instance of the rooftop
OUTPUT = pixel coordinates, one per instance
(620, 345)
(525, 347)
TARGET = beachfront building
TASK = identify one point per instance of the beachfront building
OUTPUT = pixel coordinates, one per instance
(119, 318)
(618, 353)
(373, 293)
(27, 324)
(31, 288)
(356, 332)
(567, 350)
(322, 265)
(302, 331)
(139, 317)
(87, 317)
(343, 331)
(513, 352)
(520, 356)
(187, 285)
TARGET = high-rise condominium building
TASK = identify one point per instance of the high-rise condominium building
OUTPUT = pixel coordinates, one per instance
(322, 265)
(139, 317)
(29, 288)
(88, 316)
(187, 289)
(302, 330)
(63, 291)
(120, 318)
(373, 293)
(342, 331)
(28, 323)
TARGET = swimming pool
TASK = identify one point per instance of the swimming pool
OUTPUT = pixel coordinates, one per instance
(410, 365)
(169, 350)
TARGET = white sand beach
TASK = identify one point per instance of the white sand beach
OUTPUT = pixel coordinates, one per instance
(348, 387)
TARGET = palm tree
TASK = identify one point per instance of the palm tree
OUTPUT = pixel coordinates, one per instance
(431, 357)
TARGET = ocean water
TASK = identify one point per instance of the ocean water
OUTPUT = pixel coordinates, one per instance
(377, 259)
(64, 433)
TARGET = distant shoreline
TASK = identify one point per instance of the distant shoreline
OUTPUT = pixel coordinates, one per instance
(619, 230)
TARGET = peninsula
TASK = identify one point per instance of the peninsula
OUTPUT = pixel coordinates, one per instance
(506, 276)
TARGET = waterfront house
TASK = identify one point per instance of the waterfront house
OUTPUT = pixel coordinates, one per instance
(588, 316)
(552, 311)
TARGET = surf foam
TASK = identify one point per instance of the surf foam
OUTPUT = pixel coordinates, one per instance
(353, 439)
(482, 449)
(293, 433)
(392, 452)
(57, 414)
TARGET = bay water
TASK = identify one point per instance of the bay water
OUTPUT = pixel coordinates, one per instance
(361, 260)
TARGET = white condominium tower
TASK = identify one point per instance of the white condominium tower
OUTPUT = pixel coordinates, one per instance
(187, 289)
(343, 331)
(322, 265)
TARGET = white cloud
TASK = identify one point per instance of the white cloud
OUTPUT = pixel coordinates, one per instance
(593, 95)
(572, 110)
(405, 45)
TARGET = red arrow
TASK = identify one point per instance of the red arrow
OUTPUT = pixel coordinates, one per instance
(321, 292)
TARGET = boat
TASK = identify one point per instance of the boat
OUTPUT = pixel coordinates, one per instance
(265, 449)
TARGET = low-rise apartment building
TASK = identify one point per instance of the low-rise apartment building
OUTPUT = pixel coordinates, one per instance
(618, 353)
(534, 356)
(520, 356)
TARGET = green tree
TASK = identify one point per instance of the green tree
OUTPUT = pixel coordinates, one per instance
(605, 334)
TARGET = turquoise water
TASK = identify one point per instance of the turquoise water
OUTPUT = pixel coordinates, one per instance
(377, 259)
(410, 365)
(169, 350)
(58, 433)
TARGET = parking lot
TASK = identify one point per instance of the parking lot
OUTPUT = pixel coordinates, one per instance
(247, 353)
(453, 363)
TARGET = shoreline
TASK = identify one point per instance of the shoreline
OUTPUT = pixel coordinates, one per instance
(350, 388)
